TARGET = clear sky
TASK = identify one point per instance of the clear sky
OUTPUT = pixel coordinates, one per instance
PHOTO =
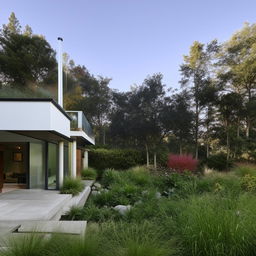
(130, 39)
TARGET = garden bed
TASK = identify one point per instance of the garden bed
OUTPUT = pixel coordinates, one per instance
(169, 214)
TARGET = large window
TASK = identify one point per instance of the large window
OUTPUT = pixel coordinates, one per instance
(53, 159)
(37, 165)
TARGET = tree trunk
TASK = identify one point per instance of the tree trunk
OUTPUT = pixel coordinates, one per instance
(228, 142)
(248, 123)
(196, 132)
(147, 155)
(248, 127)
(155, 164)
(238, 128)
(104, 136)
(181, 148)
(207, 136)
(207, 149)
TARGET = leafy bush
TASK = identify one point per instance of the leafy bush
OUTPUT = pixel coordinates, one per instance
(118, 194)
(109, 177)
(89, 174)
(72, 186)
(216, 182)
(119, 159)
(218, 162)
(249, 183)
(92, 213)
(182, 163)
(244, 170)
(139, 176)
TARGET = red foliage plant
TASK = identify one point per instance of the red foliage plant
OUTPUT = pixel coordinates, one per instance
(182, 163)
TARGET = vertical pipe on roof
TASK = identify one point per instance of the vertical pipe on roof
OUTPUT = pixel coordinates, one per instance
(60, 73)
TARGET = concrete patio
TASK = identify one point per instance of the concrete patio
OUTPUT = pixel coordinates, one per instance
(32, 204)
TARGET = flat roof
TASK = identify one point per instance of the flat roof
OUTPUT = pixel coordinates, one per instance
(38, 100)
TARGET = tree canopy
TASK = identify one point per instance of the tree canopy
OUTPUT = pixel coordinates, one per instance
(213, 110)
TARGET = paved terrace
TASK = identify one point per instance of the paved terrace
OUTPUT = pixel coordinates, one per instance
(32, 204)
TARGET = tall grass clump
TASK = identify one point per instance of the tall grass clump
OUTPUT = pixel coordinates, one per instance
(67, 245)
(133, 239)
(89, 174)
(140, 176)
(109, 177)
(29, 244)
(72, 186)
(211, 225)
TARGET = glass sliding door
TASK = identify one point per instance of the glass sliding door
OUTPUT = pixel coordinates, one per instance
(37, 165)
(66, 161)
(52, 166)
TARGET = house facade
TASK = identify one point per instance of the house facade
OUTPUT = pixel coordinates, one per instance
(41, 143)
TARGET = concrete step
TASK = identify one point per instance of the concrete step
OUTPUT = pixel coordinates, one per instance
(80, 199)
(63, 227)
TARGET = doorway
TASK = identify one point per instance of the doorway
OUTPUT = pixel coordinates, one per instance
(13, 166)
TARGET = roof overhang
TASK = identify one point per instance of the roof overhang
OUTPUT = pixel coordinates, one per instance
(82, 138)
(38, 118)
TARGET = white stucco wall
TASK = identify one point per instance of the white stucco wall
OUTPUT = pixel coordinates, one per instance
(83, 135)
(33, 116)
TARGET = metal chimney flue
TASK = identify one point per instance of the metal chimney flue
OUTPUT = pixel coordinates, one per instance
(60, 73)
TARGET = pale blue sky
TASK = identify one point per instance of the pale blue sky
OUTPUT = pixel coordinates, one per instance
(130, 39)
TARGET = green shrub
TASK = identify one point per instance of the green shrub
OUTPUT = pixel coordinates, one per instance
(249, 182)
(244, 170)
(218, 162)
(176, 184)
(139, 176)
(119, 159)
(74, 213)
(117, 195)
(89, 174)
(92, 213)
(109, 177)
(72, 186)
(219, 183)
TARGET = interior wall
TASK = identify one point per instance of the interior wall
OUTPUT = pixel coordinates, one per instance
(12, 167)
(9, 164)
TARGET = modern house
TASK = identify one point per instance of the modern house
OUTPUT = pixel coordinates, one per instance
(41, 143)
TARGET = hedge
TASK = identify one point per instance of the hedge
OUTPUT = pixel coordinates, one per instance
(119, 159)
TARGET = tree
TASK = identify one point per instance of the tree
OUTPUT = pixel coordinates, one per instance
(178, 118)
(94, 100)
(196, 72)
(136, 115)
(28, 31)
(13, 27)
(25, 61)
(230, 107)
(193, 72)
(238, 66)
